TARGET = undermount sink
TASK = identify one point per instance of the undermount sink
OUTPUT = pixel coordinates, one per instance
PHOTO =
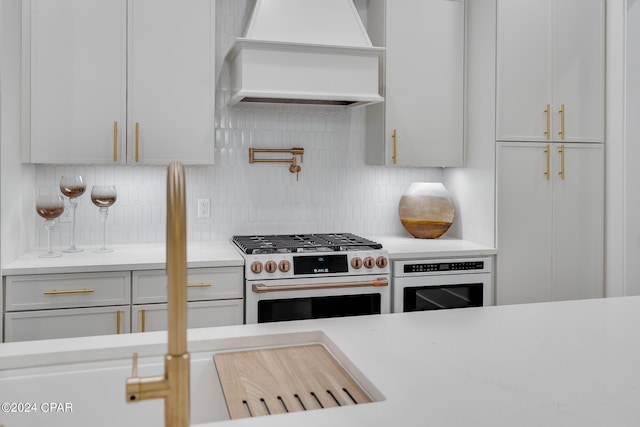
(81, 390)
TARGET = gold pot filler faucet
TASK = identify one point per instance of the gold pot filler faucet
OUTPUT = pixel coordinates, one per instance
(173, 386)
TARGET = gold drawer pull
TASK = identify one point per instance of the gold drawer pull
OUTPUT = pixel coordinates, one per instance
(561, 111)
(68, 291)
(547, 133)
(118, 321)
(395, 146)
(561, 151)
(143, 320)
(199, 285)
(548, 154)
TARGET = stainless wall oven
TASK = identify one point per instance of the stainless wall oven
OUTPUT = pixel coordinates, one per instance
(436, 284)
(311, 276)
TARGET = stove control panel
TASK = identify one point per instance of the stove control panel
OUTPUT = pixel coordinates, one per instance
(317, 264)
(441, 266)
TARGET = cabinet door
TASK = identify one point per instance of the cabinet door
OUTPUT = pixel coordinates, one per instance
(578, 70)
(523, 70)
(578, 215)
(75, 98)
(423, 84)
(171, 81)
(201, 314)
(523, 223)
(66, 323)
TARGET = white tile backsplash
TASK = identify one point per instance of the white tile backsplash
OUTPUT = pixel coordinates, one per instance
(336, 191)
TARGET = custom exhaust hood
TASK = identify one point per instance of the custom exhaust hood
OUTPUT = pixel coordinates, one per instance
(304, 52)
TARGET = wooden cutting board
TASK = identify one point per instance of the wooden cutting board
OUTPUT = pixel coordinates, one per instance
(289, 379)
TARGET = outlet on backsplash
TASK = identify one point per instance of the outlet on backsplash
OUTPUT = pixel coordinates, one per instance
(204, 208)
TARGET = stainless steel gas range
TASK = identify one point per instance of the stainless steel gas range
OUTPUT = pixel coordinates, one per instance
(310, 276)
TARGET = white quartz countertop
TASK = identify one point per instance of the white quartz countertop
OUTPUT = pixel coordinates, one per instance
(215, 254)
(409, 247)
(553, 364)
(125, 257)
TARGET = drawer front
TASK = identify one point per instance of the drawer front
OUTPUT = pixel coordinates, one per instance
(201, 314)
(67, 323)
(202, 284)
(37, 292)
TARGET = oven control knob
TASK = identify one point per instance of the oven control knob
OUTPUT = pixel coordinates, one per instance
(369, 262)
(382, 262)
(356, 262)
(284, 266)
(256, 267)
(270, 266)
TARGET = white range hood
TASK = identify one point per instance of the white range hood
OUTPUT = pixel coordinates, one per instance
(304, 52)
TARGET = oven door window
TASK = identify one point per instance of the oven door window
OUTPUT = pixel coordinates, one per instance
(318, 307)
(422, 298)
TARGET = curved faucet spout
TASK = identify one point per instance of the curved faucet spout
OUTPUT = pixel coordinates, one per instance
(173, 387)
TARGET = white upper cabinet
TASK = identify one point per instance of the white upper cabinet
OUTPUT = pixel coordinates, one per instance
(119, 82)
(77, 90)
(421, 121)
(550, 70)
(171, 81)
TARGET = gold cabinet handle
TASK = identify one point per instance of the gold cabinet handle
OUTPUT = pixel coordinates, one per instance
(395, 146)
(547, 151)
(142, 320)
(118, 323)
(547, 133)
(115, 141)
(68, 291)
(137, 142)
(561, 151)
(199, 285)
(561, 111)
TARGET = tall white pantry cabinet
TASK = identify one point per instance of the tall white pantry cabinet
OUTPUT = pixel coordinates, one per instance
(118, 81)
(550, 153)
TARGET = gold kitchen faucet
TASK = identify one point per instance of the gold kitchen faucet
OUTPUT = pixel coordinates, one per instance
(173, 386)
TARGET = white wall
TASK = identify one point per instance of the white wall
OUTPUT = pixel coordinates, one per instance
(474, 185)
(632, 151)
(615, 198)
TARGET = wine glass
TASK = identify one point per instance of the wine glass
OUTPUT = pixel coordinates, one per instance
(49, 208)
(103, 196)
(72, 187)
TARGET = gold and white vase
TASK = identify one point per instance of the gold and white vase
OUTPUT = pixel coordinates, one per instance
(426, 210)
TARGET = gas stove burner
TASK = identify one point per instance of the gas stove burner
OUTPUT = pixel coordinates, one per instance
(290, 243)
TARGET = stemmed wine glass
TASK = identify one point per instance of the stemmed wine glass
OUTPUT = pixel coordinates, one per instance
(72, 187)
(103, 196)
(49, 208)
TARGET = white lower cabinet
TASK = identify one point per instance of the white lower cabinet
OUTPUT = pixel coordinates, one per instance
(44, 306)
(66, 305)
(66, 323)
(200, 314)
(214, 295)
(550, 222)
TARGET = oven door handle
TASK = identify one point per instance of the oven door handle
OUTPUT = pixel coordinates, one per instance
(315, 286)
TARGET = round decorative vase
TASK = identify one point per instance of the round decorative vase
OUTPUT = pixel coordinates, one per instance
(426, 210)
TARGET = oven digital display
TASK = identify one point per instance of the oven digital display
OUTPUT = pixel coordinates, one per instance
(320, 264)
(444, 266)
